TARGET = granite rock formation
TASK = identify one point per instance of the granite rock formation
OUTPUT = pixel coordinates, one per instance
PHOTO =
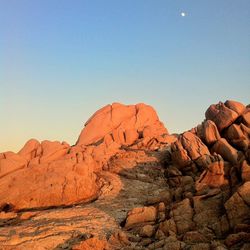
(128, 184)
(123, 123)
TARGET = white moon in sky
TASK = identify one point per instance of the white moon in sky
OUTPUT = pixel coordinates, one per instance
(183, 14)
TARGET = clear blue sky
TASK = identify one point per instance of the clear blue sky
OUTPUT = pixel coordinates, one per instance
(62, 60)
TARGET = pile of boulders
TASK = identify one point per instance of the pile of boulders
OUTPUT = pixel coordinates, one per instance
(51, 173)
(208, 174)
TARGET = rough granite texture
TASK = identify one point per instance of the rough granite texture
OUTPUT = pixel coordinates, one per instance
(128, 184)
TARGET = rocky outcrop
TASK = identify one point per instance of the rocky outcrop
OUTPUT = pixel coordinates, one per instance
(238, 136)
(208, 132)
(117, 125)
(148, 189)
(50, 173)
(59, 183)
(124, 123)
(45, 174)
(187, 149)
(213, 176)
(224, 114)
(207, 171)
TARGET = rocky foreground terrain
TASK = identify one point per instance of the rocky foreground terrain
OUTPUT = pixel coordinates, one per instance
(129, 184)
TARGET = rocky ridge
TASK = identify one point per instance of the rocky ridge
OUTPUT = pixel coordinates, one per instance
(128, 184)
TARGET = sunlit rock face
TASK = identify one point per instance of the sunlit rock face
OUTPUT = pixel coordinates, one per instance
(124, 123)
(45, 174)
(146, 189)
(118, 125)
(224, 114)
(50, 173)
(58, 183)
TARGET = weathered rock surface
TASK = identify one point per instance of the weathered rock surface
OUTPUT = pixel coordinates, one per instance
(54, 174)
(69, 227)
(58, 183)
(238, 136)
(213, 176)
(188, 148)
(224, 114)
(182, 214)
(141, 215)
(228, 152)
(125, 124)
(208, 132)
(146, 189)
(245, 171)
(238, 206)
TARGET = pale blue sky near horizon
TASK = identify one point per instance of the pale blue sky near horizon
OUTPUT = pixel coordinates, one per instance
(62, 60)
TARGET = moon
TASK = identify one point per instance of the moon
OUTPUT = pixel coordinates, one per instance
(183, 14)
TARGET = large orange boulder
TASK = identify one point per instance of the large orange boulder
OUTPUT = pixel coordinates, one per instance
(228, 152)
(224, 114)
(46, 174)
(188, 148)
(238, 136)
(61, 182)
(208, 132)
(194, 146)
(119, 125)
(179, 155)
(125, 123)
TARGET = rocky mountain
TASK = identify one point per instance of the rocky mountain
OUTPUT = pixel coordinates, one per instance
(129, 184)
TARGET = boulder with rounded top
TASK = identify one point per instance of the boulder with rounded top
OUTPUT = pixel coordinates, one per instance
(122, 118)
(224, 114)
